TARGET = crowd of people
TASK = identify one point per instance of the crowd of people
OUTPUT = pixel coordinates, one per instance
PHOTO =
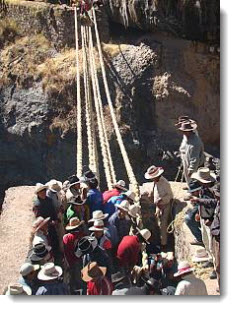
(88, 242)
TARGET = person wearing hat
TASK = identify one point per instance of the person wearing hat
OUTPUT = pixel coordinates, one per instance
(189, 284)
(71, 238)
(40, 231)
(111, 206)
(76, 188)
(77, 208)
(130, 247)
(43, 206)
(136, 221)
(90, 251)
(119, 223)
(40, 254)
(98, 232)
(94, 196)
(193, 225)
(207, 204)
(51, 282)
(97, 282)
(117, 190)
(161, 196)
(215, 232)
(17, 289)
(29, 276)
(191, 149)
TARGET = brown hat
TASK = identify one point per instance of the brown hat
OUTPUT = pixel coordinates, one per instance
(93, 271)
(74, 223)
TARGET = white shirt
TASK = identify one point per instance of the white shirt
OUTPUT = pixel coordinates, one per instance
(190, 285)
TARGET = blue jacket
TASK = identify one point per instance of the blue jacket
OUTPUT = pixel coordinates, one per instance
(110, 207)
(94, 200)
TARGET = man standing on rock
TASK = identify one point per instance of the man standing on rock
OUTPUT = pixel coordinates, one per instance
(161, 195)
(191, 148)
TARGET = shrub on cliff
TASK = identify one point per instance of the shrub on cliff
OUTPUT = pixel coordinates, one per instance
(9, 31)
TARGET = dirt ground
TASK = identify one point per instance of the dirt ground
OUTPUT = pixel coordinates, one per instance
(15, 228)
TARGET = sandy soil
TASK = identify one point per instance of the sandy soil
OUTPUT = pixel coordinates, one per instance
(15, 228)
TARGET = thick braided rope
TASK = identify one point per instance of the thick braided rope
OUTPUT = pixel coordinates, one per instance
(86, 77)
(94, 163)
(129, 169)
(107, 146)
(79, 108)
(100, 128)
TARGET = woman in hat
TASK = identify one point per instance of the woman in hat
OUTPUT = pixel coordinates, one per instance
(97, 282)
(161, 196)
(51, 283)
(70, 240)
(77, 208)
(189, 284)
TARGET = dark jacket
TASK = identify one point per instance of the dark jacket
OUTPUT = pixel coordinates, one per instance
(215, 226)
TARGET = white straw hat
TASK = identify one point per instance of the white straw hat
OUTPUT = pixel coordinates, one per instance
(40, 187)
(124, 205)
(55, 186)
(98, 215)
(130, 195)
(27, 268)
(121, 185)
(18, 289)
(183, 268)
(204, 175)
(98, 226)
(74, 223)
(153, 172)
(133, 211)
(200, 256)
(49, 272)
(145, 233)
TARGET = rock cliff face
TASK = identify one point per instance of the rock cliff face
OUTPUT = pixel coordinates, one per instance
(153, 77)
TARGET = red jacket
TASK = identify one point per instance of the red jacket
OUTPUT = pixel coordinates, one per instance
(70, 241)
(100, 287)
(128, 251)
(109, 194)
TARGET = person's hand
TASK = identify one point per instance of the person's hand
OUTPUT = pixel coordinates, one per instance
(197, 217)
(194, 200)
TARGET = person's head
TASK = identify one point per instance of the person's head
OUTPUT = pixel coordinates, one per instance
(143, 235)
(86, 246)
(49, 272)
(93, 272)
(120, 185)
(40, 190)
(29, 271)
(205, 177)
(123, 209)
(93, 184)
(129, 196)
(74, 182)
(154, 173)
(195, 188)
(184, 268)
(97, 228)
(187, 128)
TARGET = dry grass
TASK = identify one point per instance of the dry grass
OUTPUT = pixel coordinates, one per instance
(112, 50)
(9, 31)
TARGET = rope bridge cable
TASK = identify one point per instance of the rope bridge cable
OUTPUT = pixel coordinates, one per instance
(79, 109)
(87, 93)
(98, 114)
(129, 169)
(96, 81)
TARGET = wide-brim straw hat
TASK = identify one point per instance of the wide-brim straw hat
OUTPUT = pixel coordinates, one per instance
(27, 268)
(98, 226)
(74, 223)
(49, 272)
(55, 186)
(200, 256)
(124, 206)
(153, 172)
(130, 195)
(183, 268)
(121, 185)
(133, 211)
(93, 271)
(40, 222)
(18, 289)
(145, 233)
(40, 187)
(187, 126)
(98, 215)
(204, 175)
